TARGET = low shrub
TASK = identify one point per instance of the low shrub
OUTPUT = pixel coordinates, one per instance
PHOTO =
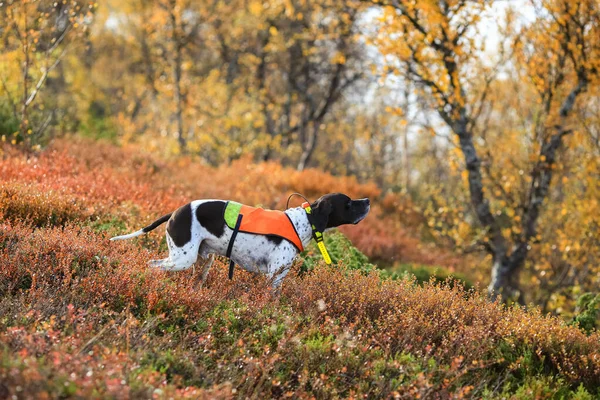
(340, 250)
(424, 273)
(73, 297)
(52, 364)
(445, 323)
(39, 207)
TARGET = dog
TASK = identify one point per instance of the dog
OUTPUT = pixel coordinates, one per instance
(198, 231)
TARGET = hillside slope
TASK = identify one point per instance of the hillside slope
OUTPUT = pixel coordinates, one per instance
(83, 317)
(101, 179)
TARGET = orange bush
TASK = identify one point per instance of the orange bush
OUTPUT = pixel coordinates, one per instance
(68, 291)
(31, 203)
(51, 362)
(445, 322)
(76, 264)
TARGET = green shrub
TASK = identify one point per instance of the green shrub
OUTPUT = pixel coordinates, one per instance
(110, 225)
(588, 307)
(172, 365)
(9, 124)
(340, 250)
(97, 124)
(424, 273)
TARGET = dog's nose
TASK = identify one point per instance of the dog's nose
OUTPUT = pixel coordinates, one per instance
(367, 201)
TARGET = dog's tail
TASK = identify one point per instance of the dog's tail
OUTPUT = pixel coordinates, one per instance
(145, 230)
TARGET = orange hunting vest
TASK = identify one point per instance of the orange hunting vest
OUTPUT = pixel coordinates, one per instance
(262, 222)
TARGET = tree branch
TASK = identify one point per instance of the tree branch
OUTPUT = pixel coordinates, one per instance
(43, 78)
(541, 177)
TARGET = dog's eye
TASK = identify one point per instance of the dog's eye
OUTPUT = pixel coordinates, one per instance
(348, 204)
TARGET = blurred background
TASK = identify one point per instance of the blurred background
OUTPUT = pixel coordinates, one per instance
(479, 118)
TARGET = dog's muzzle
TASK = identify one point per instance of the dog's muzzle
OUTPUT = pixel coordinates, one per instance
(365, 205)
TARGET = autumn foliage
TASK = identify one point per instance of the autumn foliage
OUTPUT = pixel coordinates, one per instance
(138, 188)
(472, 125)
(85, 317)
(478, 119)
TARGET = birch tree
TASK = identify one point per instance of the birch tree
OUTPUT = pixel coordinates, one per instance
(433, 44)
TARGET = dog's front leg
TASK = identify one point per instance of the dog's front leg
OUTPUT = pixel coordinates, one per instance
(204, 263)
(277, 276)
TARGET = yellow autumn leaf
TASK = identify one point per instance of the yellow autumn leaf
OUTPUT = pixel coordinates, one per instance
(255, 8)
(338, 58)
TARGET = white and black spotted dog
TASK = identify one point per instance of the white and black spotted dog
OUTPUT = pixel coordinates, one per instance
(197, 231)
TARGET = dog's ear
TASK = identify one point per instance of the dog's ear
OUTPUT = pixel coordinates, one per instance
(320, 214)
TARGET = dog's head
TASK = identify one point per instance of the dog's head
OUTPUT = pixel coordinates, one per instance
(335, 209)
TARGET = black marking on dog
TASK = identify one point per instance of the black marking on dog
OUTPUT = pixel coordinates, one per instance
(210, 216)
(180, 225)
(263, 261)
(156, 223)
(276, 240)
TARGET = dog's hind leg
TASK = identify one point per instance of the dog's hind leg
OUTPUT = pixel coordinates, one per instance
(180, 257)
(157, 263)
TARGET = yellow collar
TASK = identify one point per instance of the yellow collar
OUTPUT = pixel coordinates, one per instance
(318, 236)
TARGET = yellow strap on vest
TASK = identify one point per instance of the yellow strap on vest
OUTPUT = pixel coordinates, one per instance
(318, 236)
